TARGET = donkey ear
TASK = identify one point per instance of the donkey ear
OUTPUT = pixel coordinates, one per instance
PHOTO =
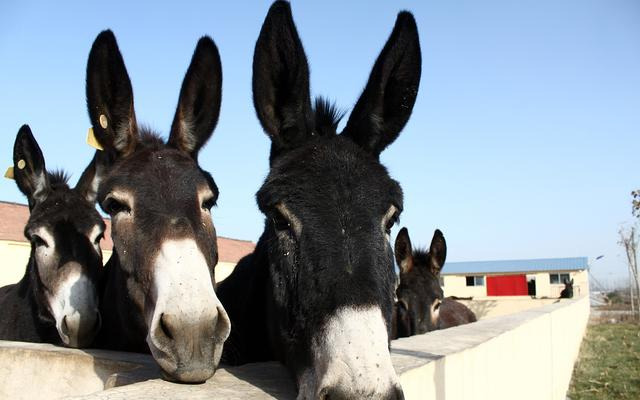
(29, 169)
(387, 101)
(437, 252)
(199, 105)
(90, 179)
(403, 251)
(110, 96)
(281, 81)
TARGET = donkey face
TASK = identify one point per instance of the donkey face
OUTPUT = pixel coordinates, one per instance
(419, 293)
(330, 205)
(65, 231)
(159, 201)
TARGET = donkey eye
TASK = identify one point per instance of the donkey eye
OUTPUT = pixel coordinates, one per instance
(99, 238)
(392, 221)
(437, 306)
(209, 203)
(38, 241)
(112, 206)
(280, 222)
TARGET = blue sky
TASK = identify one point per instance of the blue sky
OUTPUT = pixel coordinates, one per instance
(523, 141)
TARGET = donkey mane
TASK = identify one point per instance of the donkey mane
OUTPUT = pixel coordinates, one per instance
(421, 256)
(150, 138)
(58, 177)
(327, 116)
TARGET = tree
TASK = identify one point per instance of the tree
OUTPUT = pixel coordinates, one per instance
(635, 203)
(628, 239)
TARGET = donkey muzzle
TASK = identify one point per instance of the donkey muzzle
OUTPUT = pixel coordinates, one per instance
(188, 325)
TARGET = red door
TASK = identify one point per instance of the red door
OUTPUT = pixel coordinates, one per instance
(507, 285)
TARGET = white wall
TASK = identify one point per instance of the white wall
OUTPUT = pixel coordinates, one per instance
(524, 356)
(456, 285)
(529, 355)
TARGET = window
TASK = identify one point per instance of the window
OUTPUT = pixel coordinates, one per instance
(475, 280)
(558, 279)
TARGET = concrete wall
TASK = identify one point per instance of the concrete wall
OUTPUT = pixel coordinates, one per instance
(497, 306)
(13, 261)
(528, 355)
(456, 285)
(223, 269)
(543, 285)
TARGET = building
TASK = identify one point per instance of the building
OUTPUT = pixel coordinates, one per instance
(15, 249)
(541, 278)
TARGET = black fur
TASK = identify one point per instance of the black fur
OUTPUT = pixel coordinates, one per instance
(26, 314)
(327, 117)
(328, 249)
(567, 292)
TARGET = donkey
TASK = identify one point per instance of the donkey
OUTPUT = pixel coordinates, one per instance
(317, 292)
(567, 292)
(56, 301)
(421, 306)
(158, 287)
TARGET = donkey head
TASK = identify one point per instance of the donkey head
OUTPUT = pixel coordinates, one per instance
(330, 205)
(160, 203)
(419, 292)
(567, 292)
(65, 231)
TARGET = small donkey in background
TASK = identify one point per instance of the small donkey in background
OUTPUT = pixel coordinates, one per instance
(567, 292)
(56, 301)
(421, 306)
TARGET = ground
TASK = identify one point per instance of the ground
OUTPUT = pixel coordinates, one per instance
(608, 366)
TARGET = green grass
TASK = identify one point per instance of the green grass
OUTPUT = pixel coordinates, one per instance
(609, 363)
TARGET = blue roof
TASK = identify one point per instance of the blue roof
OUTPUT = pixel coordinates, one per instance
(501, 266)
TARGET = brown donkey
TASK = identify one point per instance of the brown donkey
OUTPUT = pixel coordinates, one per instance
(158, 288)
(421, 306)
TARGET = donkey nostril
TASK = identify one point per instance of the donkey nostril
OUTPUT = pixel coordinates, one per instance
(333, 393)
(324, 395)
(64, 327)
(165, 325)
(98, 324)
(399, 394)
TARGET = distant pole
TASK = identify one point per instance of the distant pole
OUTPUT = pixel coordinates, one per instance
(597, 285)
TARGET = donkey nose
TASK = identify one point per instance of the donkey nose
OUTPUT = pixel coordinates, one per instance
(168, 325)
(188, 325)
(78, 330)
(337, 393)
(171, 326)
(188, 350)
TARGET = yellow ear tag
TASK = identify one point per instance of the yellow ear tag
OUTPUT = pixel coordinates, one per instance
(92, 141)
(21, 164)
(9, 173)
(103, 121)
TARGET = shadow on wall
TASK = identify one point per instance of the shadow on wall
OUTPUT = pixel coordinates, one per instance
(274, 380)
(114, 372)
(481, 308)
